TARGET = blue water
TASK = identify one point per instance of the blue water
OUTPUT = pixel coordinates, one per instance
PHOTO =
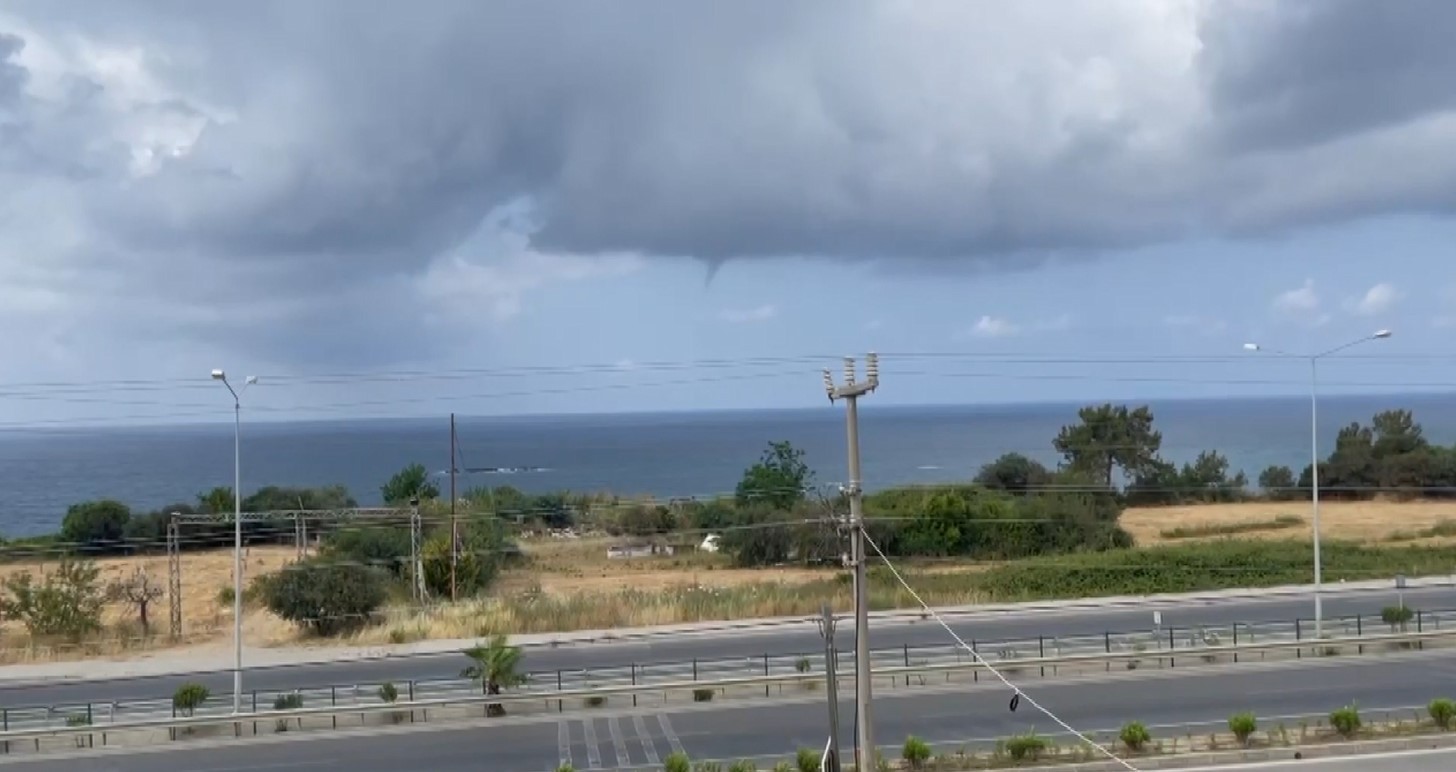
(661, 454)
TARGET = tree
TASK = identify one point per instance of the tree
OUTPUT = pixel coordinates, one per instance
(644, 520)
(1207, 478)
(1014, 472)
(96, 526)
(1110, 438)
(1396, 433)
(67, 602)
(1277, 482)
(778, 480)
(495, 666)
(273, 498)
(139, 591)
(411, 482)
(325, 598)
(217, 501)
(761, 536)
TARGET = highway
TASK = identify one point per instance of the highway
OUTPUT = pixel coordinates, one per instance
(612, 739)
(796, 639)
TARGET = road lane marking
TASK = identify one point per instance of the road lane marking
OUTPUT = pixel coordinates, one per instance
(618, 744)
(666, 724)
(593, 753)
(648, 746)
(563, 741)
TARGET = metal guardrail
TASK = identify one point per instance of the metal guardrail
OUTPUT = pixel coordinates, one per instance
(85, 735)
(1149, 641)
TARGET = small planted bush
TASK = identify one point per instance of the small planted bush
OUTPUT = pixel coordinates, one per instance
(595, 701)
(1026, 747)
(677, 762)
(188, 698)
(1243, 725)
(1443, 712)
(802, 665)
(1346, 721)
(1397, 617)
(1135, 735)
(702, 695)
(742, 765)
(567, 767)
(292, 701)
(807, 760)
(915, 752)
(388, 692)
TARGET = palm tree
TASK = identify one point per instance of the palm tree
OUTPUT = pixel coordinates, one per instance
(495, 667)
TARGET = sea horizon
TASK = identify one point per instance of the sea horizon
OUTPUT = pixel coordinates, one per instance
(660, 454)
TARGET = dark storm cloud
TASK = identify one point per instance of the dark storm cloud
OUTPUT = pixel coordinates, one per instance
(1288, 74)
(356, 141)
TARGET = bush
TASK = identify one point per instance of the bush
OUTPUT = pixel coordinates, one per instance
(325, 598)
(742, 765)
(292, 701)
(188, 698)
(567, 767)
(916, 752)
(802, 665)
(67, 602)
(1026, 747)
(1346, 721)
(677, 762)
(702, 695)
(1135, 735)
(382, 547)
(595, 701)
(1243, 725)
(807, 760)
(1442, 711)
(388, 692)
(1397, 617)
(96, 527)
(783, 766)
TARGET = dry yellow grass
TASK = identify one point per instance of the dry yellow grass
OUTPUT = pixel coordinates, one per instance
(571, 584)
(1363, 521)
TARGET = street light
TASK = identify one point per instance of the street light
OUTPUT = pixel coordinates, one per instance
(1314, 455)
(219, 375)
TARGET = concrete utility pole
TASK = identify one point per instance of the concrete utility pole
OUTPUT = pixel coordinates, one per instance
(454, 526)
(850, 392)
(831, 674)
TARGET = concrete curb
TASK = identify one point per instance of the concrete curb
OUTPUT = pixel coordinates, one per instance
(1206, 760)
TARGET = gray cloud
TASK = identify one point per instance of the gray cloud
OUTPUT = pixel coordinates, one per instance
(321, 154)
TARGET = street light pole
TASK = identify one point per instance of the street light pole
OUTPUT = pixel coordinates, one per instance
(219, 375)
(850, 392)
(1314, 497)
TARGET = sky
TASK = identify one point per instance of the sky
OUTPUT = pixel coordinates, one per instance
(487, 207)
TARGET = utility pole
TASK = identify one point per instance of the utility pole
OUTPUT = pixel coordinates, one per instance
(850, 392)
(454, 526)
(831, 674)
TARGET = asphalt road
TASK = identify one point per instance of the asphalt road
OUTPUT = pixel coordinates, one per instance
(794, 640)
(604, 740)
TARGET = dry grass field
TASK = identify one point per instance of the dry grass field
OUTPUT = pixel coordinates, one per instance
(573, 585)
(1369, 522)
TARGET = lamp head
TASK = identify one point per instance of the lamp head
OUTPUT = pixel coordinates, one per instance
(218, 375)
(1251, 347)
(1381, 334)
(252, 379)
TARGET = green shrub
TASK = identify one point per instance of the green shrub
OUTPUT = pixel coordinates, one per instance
(1026, 747)
(1397, 617)
(225, 596)
(1442, 711)
(595, 701)
(783, 766)
(677, 762)
(742, 765)
(325, 598)
(567, 767)
(1243, 725)
(807, 760)
(67, 602)
(802, 665)
(1135, 735)
(702, 695)
(188, 698)
(707, 766)
(96, 527)
(916, 752)
(388, 692)
(1346, 721)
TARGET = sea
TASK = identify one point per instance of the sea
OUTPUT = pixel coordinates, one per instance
(663, 454)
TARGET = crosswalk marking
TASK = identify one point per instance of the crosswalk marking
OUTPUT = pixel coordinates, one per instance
(666, 724)
(593, 753)
(620, 745)
(563, 741)
(648, 746)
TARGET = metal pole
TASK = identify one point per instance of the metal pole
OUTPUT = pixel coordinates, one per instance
(237, 554)
(1314, 493)
(831, 674)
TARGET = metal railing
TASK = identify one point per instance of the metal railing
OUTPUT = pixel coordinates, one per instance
(150, 731)
(1147, 642)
